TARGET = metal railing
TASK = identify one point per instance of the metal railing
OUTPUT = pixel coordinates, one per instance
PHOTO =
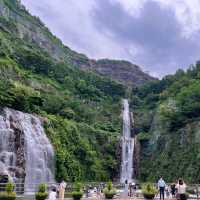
(31, 188)
(193, 190)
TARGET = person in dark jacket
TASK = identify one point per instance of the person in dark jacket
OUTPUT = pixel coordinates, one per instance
(173, 189)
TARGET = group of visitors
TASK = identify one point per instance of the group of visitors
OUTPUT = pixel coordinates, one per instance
(61, 190)
(129, 189)
(177, 190)
(90, 192)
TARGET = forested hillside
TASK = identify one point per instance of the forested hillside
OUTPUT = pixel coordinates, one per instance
(81, 109)
(80, 102)
(168, 121)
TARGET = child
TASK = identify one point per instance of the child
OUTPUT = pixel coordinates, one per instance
(167, 191)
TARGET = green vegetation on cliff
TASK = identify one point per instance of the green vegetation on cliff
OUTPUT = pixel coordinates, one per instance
(83, 115)
(168, 121)
(81, 108)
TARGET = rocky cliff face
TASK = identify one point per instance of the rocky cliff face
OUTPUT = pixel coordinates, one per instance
(31, 29)
(26, 155)
(12, 156)
(122, 71)
(172, 154)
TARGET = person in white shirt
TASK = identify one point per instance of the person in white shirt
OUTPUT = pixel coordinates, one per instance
(181, 189)
(52, 194)
(161, 186)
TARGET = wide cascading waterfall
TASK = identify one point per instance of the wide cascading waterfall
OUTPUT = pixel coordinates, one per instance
(127, 146)
(26, 152)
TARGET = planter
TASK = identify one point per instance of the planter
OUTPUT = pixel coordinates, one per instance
(41, 195)
(149, 196)
(77, 195)
(109, 196)
(149, 191)
(6, 196)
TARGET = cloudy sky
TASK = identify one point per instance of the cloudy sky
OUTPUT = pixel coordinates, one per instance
(159, 35)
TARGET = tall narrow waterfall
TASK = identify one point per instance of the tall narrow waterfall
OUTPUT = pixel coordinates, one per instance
(127, 146)
(25, 151)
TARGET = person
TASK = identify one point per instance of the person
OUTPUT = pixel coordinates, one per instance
(161, 186)
(52, 194)
(62, 187)
(167, 191)
(126, 189)
(132, 188)
(181, 190)
(173, 189)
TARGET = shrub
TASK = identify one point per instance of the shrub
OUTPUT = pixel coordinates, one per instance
(10, 187)
(109, 191)
(9, 193)
(77, 193)
(42, 188)
(77, 187)
(149, 191)
(41, 194)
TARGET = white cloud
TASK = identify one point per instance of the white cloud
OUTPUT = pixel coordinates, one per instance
(131, 6)
(187, 13)
(73, 22)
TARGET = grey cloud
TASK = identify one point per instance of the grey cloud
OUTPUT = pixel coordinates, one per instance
(108, 30)
(156, 31)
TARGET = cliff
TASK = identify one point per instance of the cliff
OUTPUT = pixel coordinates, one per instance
(167, 115)
(15, 18)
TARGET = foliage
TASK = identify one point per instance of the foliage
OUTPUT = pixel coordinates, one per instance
(77, 187)
(81, 108)
(9, 187)
(149, 190)
(109, 191)
(143, 136)
(78, 125)
(168, 111)
(77, 193)
(42, 188)
(41, 194)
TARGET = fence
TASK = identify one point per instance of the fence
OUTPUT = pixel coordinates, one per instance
(30, 188)
(192, 189)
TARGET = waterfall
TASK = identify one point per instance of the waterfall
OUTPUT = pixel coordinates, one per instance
(25, 151)
(127, 146)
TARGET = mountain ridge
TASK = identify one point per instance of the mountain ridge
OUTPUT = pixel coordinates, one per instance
(31, 29)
